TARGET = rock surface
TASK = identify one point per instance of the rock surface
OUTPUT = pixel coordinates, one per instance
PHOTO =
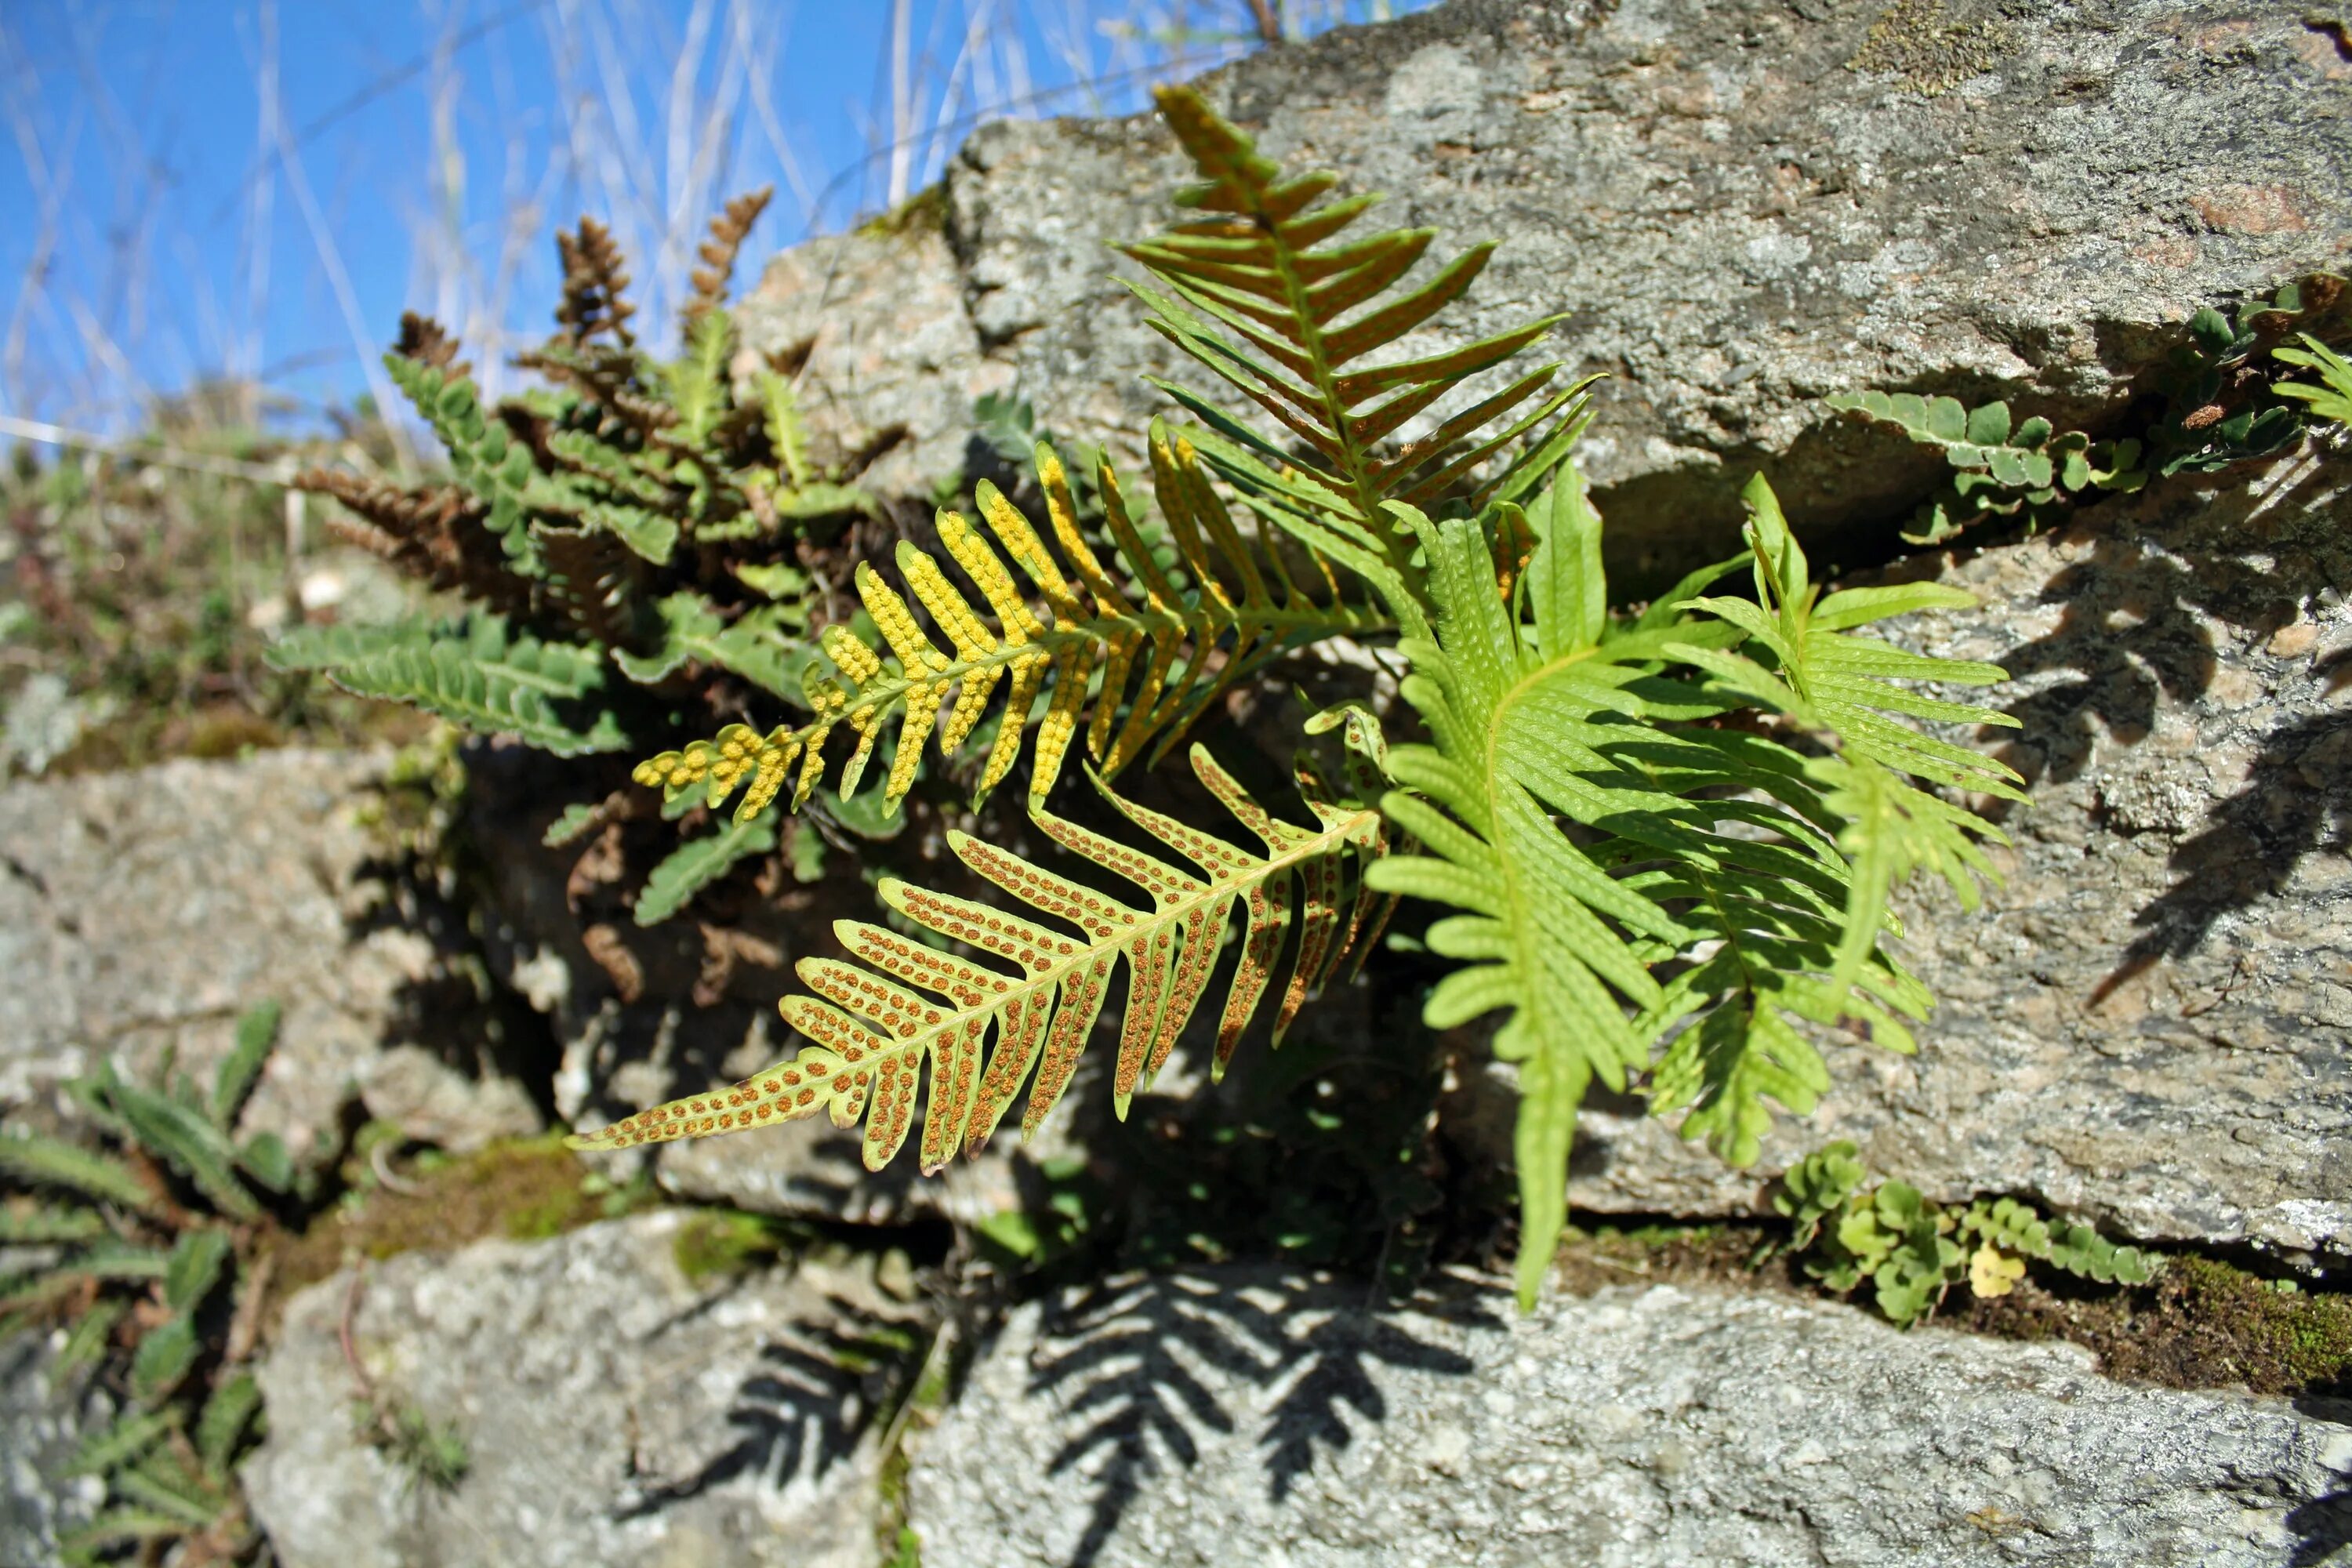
(44, 1418)
(1180, 1421)
(614, 1411)
(2150, 1023)
(1742, 206)
(145, 911)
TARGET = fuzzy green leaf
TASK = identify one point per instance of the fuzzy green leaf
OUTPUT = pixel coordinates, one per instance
(51, 1162)
(256, 1034)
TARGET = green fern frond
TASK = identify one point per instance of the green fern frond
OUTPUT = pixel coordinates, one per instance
(755, 646)
(471, 671)
(1580, 808)
(699, 862)
(1258, 294)
(2029, 470)
(2332, 399)
(1159, 662)
(934, 1008)
(484, 460)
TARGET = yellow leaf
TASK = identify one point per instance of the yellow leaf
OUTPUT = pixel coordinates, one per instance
(1992, 1274)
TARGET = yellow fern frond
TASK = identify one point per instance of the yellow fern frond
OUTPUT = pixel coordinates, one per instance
(874, 1028)
(1161, 662)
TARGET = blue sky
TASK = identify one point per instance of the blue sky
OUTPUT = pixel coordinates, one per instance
(166, 216)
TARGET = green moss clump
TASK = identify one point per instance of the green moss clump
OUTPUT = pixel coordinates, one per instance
(722, 1243)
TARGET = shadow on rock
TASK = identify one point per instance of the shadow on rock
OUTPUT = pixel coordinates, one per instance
(807, 1406)
(1136, 1361)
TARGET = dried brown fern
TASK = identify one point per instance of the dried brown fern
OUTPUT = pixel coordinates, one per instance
(428, 341)
(728, 232)
(595, 284)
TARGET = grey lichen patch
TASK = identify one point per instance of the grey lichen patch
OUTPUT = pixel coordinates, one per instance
(1934, 46)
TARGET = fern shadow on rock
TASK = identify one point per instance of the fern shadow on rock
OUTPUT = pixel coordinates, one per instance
(1140, 1364)
(2298, 802)
(805, 1409)
(482, 1031)
(2144, 619)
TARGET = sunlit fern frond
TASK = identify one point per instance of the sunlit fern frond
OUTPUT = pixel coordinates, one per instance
(1131, 659)
(1257, 292)
(1626, 865)
(875, 1027)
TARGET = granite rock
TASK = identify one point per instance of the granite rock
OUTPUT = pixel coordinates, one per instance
(143, 912)
(45, 1416)
(1741, 206)
(613, 1411)
(1235, 1417)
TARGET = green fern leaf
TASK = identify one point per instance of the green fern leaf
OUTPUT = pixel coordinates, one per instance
(228, 1415)
(165, 1357)
(1997, 468)
(1714, 847)
(699, 862)
(1257, 293)
(130, 1435)
(164, 1483)
(481, 455)
(185, 1138)
(123, 1526)
(194, 1269)
(1159, 662)
(875, 1029)
(2332, 399)
(471, 672)
(754, 646)
(42, 1223)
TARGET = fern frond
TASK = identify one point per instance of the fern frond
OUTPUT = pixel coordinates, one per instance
(1997, 468)
(471, 672)
(1159, 661)
(485, 460)
(1581, 808)
(728, 232)
(753, 645)
(2332, 398)
(595, 285)
(1257, 293)
(932, 1007)
(1845, 684)
(699, 862)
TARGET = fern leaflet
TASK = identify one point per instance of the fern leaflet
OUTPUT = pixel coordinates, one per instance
(471, 671)
(875, 1027)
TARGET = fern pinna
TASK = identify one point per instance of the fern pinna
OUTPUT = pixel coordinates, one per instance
(1661, 843)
